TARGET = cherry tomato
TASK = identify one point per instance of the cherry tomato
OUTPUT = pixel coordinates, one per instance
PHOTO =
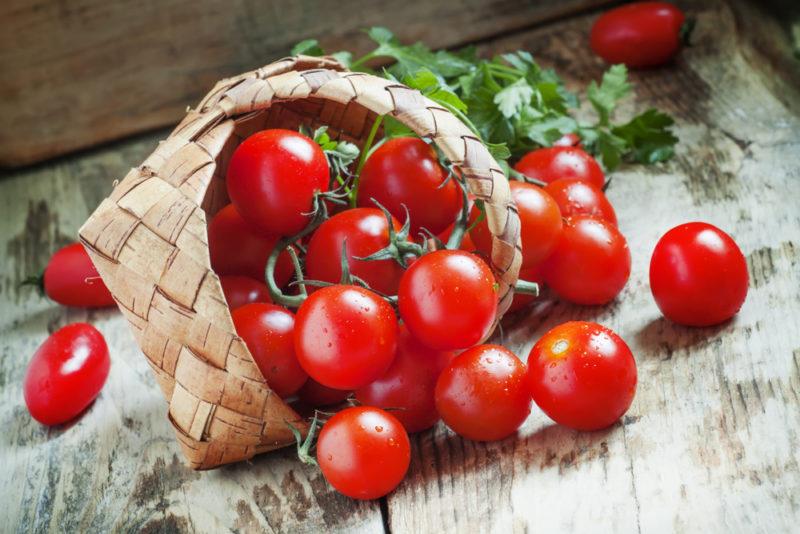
(236, 248)
(582, 375)
(540, 224)
(448, 299)
(591, 262)
(366, 231)
(568, 139)
(698, 275)
(409, 383)
(272, 178)
(66, 374)
(581, 198)
(530, 275)
(639, 34)
(315, 394)
(405, 171)
(561, 162)
(268, 332)
(71, 279)
(363, 452)
(241, 290)
(482, 395)
(345, 336)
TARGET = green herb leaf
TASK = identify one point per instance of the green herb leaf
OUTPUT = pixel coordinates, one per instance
(605, 96)
(309, 47)
(513, 98)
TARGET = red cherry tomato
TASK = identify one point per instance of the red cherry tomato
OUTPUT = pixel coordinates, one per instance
(582, 375)
(366, 231)
(581, 198)
(409, 383)
(315, 394)
(268, 332)
(241, 290)
(591, 262)
(345, 336)
(405, 171)
(236, 248)
(640, 34)
(272, 178)
(698, 275)
(540, 222)
(482, 395)
(66, 373)
(363, 452)
(448, 299)
(71, 279)
(561, 162)
(568, 139)
(530, 275)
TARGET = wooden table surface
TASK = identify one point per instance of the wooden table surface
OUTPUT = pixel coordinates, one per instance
(709, 445)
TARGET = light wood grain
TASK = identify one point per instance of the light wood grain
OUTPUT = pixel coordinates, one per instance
(81, 72)
(709, 445)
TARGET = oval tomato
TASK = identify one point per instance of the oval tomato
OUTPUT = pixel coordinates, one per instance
(66, 374)
(639, 34)
(581, 198)
(698, 275)
(540, 222)
(408, 385)
(236, 248)
(268, 332)
(366, 231)
(561, 162)
(71, 279)
(591, 263)
(448, 299)
(272, 178)
(405, 171)
(482, 395)
(582, 375)
(345, 336)
(363, 452)
(241, 290)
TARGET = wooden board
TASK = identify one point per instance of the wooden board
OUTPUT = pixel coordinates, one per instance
(709, 445)
(87, 71)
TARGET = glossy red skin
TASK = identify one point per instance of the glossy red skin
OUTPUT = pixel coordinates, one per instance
(366, 231)
(561, 162)
(408, 385)
(363, 452)
(582, 375)
(345, 336)
(268, 332)
(66, 374)
(237, 248)
(315, 394)
(272, 178)
(591, 263)
(483, 395)
(540, 221)
(71, 279)
(640, 34)
(530, 275)
(698, 275)
(568, 139)
(581, 198)
(448, 299)
(405, 170)
(241, 290)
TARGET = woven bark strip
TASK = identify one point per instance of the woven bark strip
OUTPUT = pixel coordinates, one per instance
(149, 240)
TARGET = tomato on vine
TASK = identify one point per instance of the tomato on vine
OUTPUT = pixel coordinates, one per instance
(561, 162)
(406, 172)
(582, 375)
(448, 299)
(241, 290)
(345, 336)
(363, 452)
(483, 395)
(272, 178)
(698, 275)
(581, 198)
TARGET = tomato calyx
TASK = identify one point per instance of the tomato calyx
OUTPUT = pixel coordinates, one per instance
(685, 33)
(340, 155)
(36, 281)
(399, 247)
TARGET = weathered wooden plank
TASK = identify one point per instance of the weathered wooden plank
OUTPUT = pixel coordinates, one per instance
(86, 71)
(710, 443)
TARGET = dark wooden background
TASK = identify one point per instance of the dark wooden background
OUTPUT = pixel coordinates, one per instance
(710, 443)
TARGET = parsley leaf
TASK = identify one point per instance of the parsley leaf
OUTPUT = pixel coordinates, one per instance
(605, 96)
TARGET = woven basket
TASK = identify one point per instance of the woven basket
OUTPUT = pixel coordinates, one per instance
(149, 241)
